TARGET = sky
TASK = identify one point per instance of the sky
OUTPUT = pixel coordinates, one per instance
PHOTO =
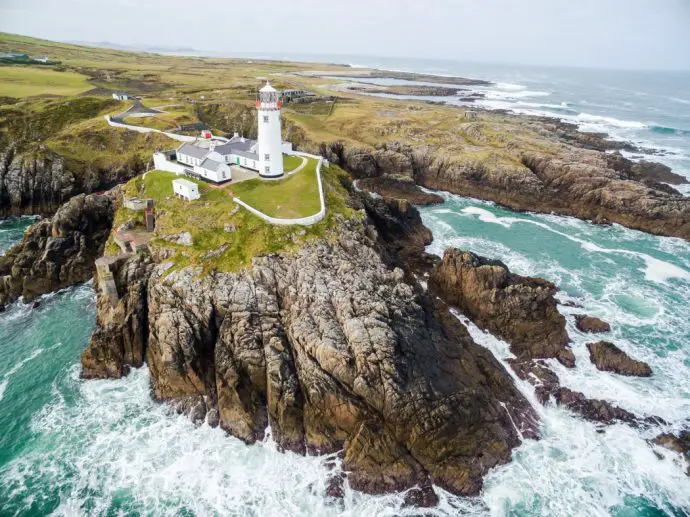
(632, 34)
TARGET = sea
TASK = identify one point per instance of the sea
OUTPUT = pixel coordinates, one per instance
(70, 447)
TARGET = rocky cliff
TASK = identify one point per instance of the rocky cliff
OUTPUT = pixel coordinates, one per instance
(585, 183)
(333, 349)
(39, 182)
(59, 251)
(521, 310)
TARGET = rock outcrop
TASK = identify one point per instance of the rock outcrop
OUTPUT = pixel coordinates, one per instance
(335, 351)
(609, 358)
(119, 340)
(679, 443)
(591, 324)
(57, 252)
(584, 183)
(520, 310)
(547, 387)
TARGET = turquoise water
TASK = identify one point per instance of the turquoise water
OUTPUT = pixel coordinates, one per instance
(73, 447)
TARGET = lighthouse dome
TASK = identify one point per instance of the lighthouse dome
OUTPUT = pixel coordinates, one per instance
(268, 88)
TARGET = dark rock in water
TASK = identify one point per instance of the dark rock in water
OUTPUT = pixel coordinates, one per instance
(521, 310)
(538, 374)
(399, 189)
(2, 308)
(592, 409)
(57, 252)
(213, 418)
(36, 305)
(569, 303)
(335, 486)
(677, 443)
(547, 385)
(609, 358)
(591, 324)
(335, 350)
(424, 497)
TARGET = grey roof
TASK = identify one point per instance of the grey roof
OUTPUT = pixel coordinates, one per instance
(193, 150)
(246, 154)
(236, 145)
(210, 165)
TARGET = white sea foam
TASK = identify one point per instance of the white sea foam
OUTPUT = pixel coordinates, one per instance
(574, 470)
(118, 449)
(610, 121)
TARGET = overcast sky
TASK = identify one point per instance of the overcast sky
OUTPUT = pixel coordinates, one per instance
(598, 33)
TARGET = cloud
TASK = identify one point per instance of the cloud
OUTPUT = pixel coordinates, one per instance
(600, 33)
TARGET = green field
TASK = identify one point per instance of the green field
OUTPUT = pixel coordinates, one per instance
(26, 81)
(290, 163)
(293, 197)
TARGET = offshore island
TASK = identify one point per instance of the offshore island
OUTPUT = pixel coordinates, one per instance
(258, 246)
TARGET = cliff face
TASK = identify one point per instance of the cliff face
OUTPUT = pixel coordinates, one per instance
(57, 252)
(40, 182)
(521, 310)
(335, 351)
(584, 183)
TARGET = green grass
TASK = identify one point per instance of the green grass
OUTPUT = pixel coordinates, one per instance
(293, 197)
(207, 218)
(26, 81)
(290, 163)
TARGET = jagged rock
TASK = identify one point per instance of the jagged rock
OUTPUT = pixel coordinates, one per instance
(229, 228)
(589, 184)
(521, 310)
(547, 385)
(591, 324)
(119, 340)
(335, 351)
(57, 252)
(399, 225)
(677, 443)
(592, 409)
(424, 497)
(399, 189)
(609, 358)
(184, 239)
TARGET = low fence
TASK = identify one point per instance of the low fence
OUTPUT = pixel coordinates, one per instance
(304, 221)
(141, 129)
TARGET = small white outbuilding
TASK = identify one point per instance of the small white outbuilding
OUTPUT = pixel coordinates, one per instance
(186, 189)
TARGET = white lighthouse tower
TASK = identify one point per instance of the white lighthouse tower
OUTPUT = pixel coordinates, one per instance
(270, 141)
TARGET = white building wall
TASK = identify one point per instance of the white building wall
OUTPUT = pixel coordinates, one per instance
(270, 143)
(188, 192)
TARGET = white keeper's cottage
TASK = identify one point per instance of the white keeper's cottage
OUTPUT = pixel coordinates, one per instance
(186, 189)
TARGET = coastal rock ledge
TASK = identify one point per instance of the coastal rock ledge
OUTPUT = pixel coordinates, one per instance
(330, 347)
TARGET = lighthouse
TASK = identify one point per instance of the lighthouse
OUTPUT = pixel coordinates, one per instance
(270, 141)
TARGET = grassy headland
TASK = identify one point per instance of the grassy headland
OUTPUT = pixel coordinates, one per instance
(225, 237)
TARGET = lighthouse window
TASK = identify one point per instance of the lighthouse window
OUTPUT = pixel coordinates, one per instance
(267, 169)
(267, 157)
(266, 119)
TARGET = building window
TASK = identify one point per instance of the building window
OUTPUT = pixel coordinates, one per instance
(267, 157)
(267, 170)
(266, 119)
